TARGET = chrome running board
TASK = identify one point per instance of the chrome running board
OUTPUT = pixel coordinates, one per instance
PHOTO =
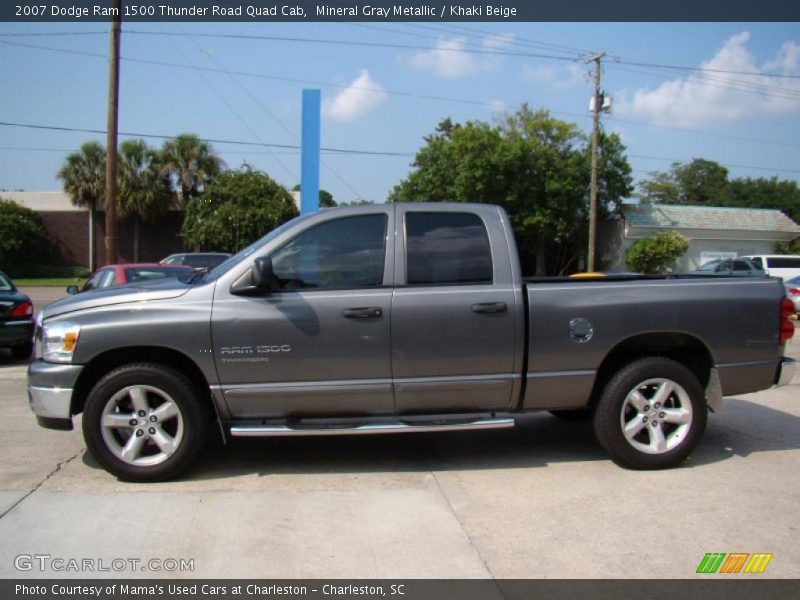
(367, 429)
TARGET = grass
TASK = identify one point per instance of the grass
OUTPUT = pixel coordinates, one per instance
(49, 282)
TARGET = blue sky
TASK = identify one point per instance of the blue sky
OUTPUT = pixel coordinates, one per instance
(660, 113)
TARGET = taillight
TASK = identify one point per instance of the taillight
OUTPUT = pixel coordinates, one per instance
(787, 325)
(794, 291)
(23, 309)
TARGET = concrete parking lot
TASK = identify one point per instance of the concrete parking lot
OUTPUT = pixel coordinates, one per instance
(541, 501)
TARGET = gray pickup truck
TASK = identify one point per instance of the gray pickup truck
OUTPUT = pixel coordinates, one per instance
(399, 318)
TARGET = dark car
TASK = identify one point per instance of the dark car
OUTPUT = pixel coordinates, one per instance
(197, 260)
(129, 273)
(16, 319)
(733, 266)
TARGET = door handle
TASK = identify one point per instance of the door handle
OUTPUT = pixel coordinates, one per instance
(362, 312)
(489, 308)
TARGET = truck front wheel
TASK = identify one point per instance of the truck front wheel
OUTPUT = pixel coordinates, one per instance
(651, 414)
(144, 422)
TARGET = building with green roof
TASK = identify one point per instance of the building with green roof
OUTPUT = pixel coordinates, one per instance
(714, 232)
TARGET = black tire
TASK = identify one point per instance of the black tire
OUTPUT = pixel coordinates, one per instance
(581, 414)
(22, 351)
(666, 432)
(155, 385)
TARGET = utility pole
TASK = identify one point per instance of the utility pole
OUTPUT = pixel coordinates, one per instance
(111, 137)
(596, 108)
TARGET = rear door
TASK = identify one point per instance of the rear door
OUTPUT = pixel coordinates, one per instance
(319, 345)
(454, 318)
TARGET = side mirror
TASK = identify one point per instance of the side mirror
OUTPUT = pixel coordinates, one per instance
(258, 280)
(263, 275)
(72, 289)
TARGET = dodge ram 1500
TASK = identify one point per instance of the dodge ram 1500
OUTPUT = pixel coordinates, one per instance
(399, 318)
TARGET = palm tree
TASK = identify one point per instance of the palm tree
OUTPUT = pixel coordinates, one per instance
(144, 190)
(84, 175)
(191, 165)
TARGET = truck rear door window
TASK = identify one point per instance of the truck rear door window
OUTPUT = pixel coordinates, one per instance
(784, 263)
(340, 254)
(447, 248)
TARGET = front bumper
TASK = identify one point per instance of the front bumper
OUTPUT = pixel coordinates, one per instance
(50, 389)
(786, 371)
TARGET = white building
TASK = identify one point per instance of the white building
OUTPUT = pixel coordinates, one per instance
(714, 232)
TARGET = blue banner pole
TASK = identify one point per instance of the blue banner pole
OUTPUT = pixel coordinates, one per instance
(309, 167)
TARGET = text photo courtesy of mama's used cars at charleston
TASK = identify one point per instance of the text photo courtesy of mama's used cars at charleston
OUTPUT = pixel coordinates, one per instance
(151, 367)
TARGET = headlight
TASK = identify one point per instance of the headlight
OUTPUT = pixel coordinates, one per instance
(59, 341)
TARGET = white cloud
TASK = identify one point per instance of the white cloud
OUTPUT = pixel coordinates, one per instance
(355, 100)
(701, 98)
(450, 58)
(555, 78)
(497, 106)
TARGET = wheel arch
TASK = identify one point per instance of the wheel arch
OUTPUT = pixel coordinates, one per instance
(111, 359)
(681, 347)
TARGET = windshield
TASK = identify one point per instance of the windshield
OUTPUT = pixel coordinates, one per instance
(709, 266)
(5, 284)
(248, 250)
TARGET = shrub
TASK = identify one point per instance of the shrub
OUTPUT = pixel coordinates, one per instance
(655, 255)
(235, 210)
(24, 241)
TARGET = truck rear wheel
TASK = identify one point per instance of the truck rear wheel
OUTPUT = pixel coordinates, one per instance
(651, 414)
(144, 422)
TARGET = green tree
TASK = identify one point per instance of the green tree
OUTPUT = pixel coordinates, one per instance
(325, 197)
(655, 254)
(24, 242)
(535, 166)
(83, 176)
(357, 202)
(144, 192)
(773, 193)
(705, 182)
(700, 182)
(792, 247)
(191, 165)
(237, 209)
(661, 188)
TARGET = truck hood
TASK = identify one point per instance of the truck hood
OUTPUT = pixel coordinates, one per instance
(134, 292)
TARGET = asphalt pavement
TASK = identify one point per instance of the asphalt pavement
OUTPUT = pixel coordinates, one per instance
(539, 501)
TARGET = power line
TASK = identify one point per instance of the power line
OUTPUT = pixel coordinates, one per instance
(735, 166)
(517, 41)
(453, 28)
(751, 87)
(448, 99)
(308, 40)
(272, 116)
(703, 132)
(704, 69)
(230, 107)
(209, 140)
(401, 93)
(328, 150)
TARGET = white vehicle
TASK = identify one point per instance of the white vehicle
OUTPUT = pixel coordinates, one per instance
(785, 266)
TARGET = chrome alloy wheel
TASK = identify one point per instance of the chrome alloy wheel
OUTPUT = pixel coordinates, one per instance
(656, 416)
(142, 425)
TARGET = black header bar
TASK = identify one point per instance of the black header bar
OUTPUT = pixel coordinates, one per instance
(265, 11)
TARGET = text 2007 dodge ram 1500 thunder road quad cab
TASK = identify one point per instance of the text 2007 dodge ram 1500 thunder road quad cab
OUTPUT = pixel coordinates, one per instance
(398, 318)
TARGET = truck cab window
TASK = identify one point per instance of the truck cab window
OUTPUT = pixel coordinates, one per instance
(447, 248)
(341, 254)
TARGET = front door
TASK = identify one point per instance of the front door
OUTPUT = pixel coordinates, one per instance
(319, 345)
